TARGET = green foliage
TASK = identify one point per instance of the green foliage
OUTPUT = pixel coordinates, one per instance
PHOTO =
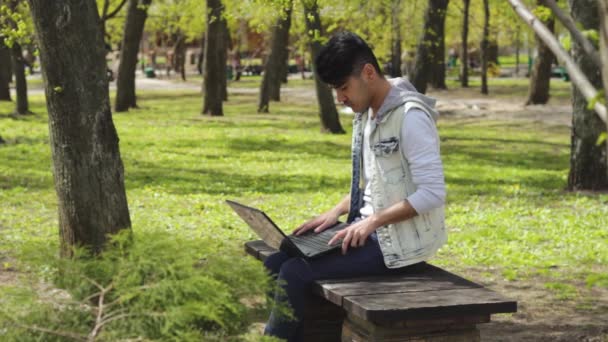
(16, 25)
(154, 285)
(593, 36)
(543, 13)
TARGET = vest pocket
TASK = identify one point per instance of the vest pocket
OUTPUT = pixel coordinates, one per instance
(386, 147)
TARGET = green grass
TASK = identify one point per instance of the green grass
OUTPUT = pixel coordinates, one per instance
(507, 212)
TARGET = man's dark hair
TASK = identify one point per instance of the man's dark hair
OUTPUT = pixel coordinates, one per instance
(344, 55)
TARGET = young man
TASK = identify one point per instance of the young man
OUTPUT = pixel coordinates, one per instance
(397, 190)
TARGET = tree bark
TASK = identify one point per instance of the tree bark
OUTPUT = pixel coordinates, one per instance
(280, 43)
(330, 121)
(201, 57)
(427, 45)
(213, 70)
(88, 170)
(18, 64)
(464, 49)
(22, 106)
(517, 50)
(588, 161)
(134, 28)
(225, 44)
(5, 72)
(540, 79)
(396, 38)
(603, 5)
(179, 55)
(438, 47)
(484, 47)
(270, 88)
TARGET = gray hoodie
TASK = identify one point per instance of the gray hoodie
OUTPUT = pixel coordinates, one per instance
(403, 91)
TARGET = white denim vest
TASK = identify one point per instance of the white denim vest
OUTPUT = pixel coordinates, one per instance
(410, 241)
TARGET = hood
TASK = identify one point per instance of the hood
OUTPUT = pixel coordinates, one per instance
(403, 91)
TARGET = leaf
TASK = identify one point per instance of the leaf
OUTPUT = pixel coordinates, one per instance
(600, 139)
(599, 96)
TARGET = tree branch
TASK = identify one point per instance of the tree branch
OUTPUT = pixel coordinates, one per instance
(568, 22)
(576, 75)
(115, 11)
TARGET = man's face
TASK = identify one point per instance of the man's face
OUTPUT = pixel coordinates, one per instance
(354, 93)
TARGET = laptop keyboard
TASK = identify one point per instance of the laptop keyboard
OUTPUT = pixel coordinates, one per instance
(313, 242)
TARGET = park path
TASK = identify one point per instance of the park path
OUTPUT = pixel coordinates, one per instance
(455, 103)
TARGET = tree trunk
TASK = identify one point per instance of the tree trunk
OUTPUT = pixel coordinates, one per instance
(280, 43)
(517, 49)
(270, 87)
(22, 107)
(225, 44)
(438, 47)
(88, 170)
(588, 161)
(603, 6)
(179, 55)
(484, 47)
(540, 79)
(213, 70)
(5, 72)
(201, 57)
(18, 64)
(396, 38)
(425, 59)
(464, 49)
(330, 121)
(134, 28)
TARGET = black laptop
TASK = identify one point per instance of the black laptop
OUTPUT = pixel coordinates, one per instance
(307, 245)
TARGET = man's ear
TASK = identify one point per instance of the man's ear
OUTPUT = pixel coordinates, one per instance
(369, 72)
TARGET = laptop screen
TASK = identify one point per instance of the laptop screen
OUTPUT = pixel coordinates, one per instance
(260, 223)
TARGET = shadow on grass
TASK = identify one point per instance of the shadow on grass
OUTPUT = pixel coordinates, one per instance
(322, 148)
(213, 181)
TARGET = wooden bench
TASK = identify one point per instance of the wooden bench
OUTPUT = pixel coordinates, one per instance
(426, 304)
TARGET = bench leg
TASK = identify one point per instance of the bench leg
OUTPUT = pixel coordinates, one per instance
(322, 320)
(442, 330)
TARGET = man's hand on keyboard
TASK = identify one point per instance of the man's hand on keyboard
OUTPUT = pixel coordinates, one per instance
(319, 223)
(355, 234)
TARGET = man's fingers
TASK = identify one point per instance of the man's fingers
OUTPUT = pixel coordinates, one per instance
(323, 226)
(336, 237)
(346, 241)
(306, 226)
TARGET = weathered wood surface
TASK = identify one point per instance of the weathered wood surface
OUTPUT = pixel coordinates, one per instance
(424, 300)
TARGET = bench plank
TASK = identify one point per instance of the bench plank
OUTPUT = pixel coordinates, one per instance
(433, 279)
(429, 304)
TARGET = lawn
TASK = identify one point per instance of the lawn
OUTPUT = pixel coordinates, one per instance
(508, 214)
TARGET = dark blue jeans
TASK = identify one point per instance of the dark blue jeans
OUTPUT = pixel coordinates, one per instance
(296, 275)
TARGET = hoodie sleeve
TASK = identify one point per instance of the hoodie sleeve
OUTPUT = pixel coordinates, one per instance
(420, 147)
